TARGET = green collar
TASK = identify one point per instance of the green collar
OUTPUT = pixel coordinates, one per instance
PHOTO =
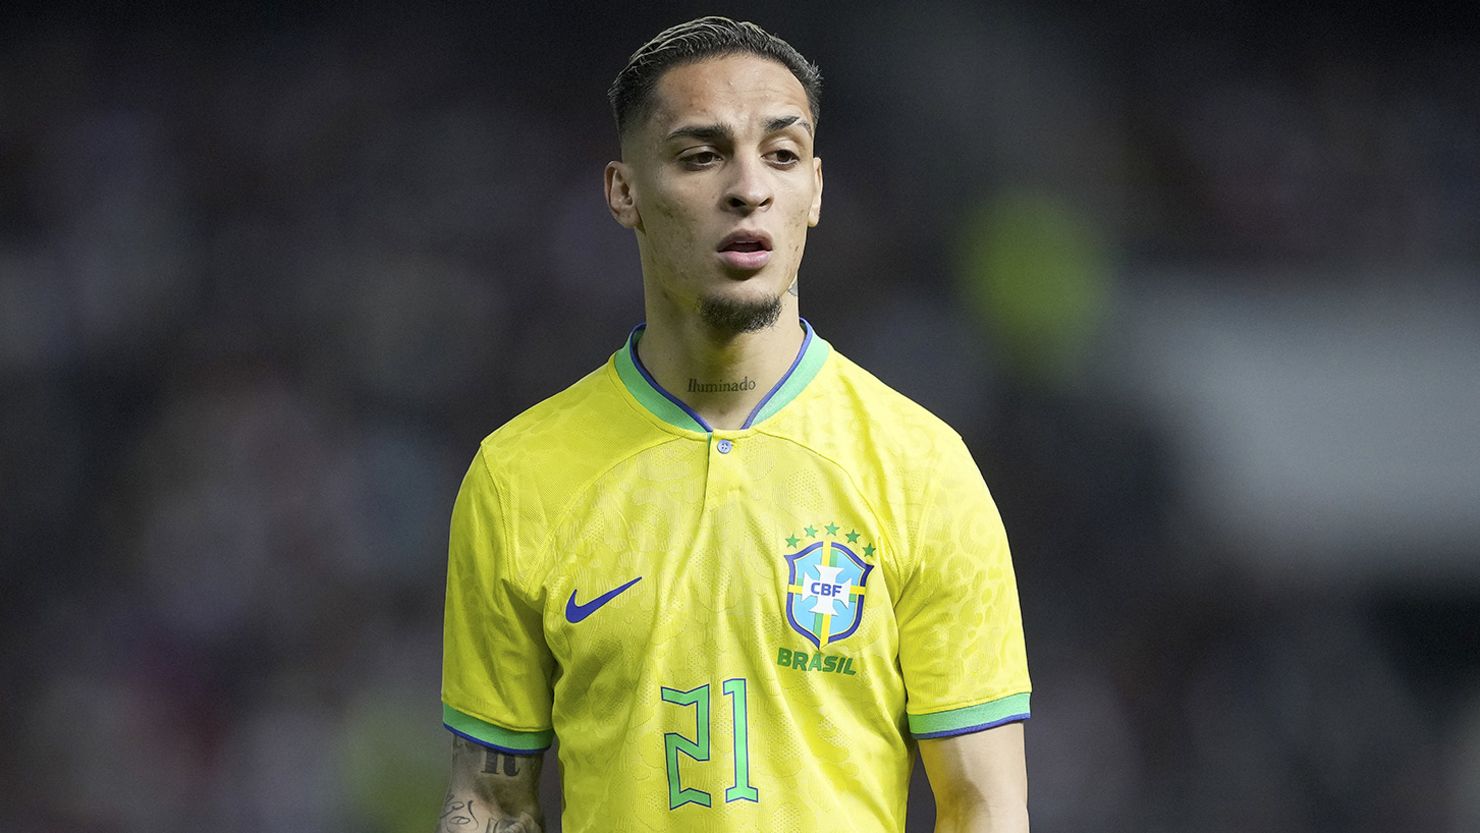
(669, 408)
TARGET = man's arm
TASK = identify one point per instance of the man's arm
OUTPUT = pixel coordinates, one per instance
(980, 781)
(491, 791)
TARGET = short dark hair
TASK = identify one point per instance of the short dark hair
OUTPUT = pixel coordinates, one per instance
(631, 93)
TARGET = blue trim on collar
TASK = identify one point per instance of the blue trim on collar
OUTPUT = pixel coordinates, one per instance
(809, 357)
(648, 377)
(806, 342)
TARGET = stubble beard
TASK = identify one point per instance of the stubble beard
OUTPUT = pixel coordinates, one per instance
(734, 316)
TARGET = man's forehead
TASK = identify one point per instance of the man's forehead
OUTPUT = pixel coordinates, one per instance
(745, 86)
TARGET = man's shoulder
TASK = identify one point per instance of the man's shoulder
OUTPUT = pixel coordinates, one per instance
(881, 409)
(889, 447)
(588, 420)
(574, 403)
(860, 421)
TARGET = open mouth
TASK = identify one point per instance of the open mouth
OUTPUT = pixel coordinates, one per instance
(745, 246)
(746, 242)
(745, 252)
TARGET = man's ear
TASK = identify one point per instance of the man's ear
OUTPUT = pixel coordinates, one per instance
(814, 214)
(620, 197)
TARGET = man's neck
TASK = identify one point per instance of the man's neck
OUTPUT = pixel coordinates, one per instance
(721, 376)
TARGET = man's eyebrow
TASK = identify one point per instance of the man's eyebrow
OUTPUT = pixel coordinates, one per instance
(721, 133)
(783, 122)
(703, 132)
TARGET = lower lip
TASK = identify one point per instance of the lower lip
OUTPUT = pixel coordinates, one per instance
(746, 260)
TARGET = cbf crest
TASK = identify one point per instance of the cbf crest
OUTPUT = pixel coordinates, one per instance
(826, 583)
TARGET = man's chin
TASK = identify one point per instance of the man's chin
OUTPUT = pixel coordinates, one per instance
(736, 315)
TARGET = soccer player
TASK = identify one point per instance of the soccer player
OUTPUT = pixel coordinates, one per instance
(739, 578)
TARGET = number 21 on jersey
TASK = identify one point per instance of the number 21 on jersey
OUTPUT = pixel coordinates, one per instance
(697, 748)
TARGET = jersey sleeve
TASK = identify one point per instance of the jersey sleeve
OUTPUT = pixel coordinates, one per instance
(960, 628)
(496, 666)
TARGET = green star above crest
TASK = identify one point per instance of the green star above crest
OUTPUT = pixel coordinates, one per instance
(868, 550)
(832, 529)
(852, 536)
(811, 531)
(793, 540)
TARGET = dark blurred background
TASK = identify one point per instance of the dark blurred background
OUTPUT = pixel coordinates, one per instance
(1198, 285)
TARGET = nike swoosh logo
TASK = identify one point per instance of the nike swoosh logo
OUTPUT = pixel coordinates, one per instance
(576, 612)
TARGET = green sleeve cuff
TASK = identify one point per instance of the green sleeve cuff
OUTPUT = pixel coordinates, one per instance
(968, 719)
(493, 736)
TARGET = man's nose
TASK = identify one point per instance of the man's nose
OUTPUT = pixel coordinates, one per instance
(751, 187)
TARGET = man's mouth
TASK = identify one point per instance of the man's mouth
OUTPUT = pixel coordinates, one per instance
(746, 251)
(745, 241)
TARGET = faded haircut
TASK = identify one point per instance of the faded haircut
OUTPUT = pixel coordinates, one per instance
(631, 94)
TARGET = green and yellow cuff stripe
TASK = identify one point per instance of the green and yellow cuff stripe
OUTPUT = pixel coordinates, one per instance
(970, 718)
(495, 737)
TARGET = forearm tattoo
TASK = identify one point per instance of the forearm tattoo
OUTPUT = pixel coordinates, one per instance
(496, 763)
(493, 792)
(458, 815)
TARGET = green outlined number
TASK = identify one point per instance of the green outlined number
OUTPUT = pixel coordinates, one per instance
(697, 749)
(741, 790)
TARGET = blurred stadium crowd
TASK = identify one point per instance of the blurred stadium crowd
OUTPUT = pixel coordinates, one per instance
(1198, 287)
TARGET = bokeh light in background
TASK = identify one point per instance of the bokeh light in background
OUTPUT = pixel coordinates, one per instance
(1200, 287)
(1037, 279)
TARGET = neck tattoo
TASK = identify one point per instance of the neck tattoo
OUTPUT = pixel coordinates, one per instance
(793, 288)
(696, 386)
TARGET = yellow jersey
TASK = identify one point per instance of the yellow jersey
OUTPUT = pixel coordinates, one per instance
(729, 630)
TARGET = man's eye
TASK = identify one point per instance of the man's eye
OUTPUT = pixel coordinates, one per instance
(701, 158)
(785, 157)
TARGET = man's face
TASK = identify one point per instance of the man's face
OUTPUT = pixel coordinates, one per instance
(721, 185)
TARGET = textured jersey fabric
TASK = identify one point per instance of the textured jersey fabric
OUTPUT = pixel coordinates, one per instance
(729, 630)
